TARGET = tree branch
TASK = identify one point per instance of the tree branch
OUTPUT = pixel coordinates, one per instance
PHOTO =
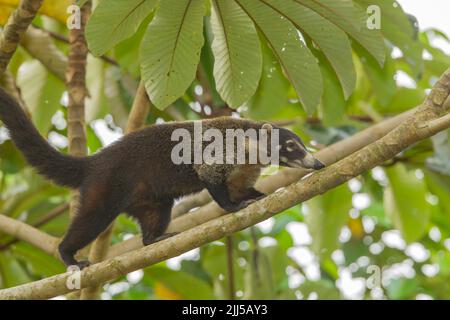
(17, 24)
(415, 128)
(40, 46)
(56, 212)
(25, 232)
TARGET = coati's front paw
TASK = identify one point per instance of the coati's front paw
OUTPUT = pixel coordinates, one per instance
(240, 206)
(82, 264)
(148, 241)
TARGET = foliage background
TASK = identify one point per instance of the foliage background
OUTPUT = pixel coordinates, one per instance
(385, 234)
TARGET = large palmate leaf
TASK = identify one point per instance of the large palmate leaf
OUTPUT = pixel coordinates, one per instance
(381, 78)
(170, 50)
(398, 28)
(405, 202)
(351, 19)
(113, 21)
(299, 65)
(328, 38)
(270, 98)
(237, 53)
(333, 100)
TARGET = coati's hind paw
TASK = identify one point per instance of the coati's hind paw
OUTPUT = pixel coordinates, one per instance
(242, 205)
(147, 242)
(165, 236)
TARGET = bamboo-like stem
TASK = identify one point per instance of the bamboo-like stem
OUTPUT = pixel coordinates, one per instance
(230, 268)
(17, 24)
(417, 127)
(76, 87)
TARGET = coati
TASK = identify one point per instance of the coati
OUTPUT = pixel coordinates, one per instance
(137, 176)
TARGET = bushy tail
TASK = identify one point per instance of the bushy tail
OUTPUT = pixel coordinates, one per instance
(62, 169)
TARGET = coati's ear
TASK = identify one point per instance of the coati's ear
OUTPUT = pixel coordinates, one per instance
(267, 126)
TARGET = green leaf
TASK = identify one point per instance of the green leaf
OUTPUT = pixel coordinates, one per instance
(298, 63)
(113, 21)
(126, 52)
(327, 214)
(11, 272)
(333, 100)
(439, 185)
(405, 202)
(95, 105)
(352, 20)
(237, 53)
(381, 78)
(182, 283)
(402, 288)
(42, 93)
(271, 98)
(440, 162)
(398, 28)
(331, 40)
(403, 100)
(214, 262)
(324, 289)
(39, 262)
(170, 50)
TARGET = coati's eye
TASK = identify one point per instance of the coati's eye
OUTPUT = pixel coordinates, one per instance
(290, 145)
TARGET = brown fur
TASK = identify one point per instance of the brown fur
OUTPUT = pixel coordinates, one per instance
(134, 175)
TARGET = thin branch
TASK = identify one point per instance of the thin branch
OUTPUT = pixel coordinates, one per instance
(40, 46)
(412, 130)
(139, 110)
(190, 202)
(230, 268)
(17, 24)
(56, 212)
(25, 232)
(76, 87)
(64, 39)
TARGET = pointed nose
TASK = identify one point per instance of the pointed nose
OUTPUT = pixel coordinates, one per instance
(318, 165)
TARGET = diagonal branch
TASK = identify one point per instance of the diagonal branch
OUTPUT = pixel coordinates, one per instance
(25, 232)
(415, 128)
(17, 24)
(56, 212)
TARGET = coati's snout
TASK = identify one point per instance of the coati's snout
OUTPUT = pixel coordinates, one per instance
(293, 153)
(308, 162)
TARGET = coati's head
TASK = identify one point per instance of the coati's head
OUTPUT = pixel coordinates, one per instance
(292, 151)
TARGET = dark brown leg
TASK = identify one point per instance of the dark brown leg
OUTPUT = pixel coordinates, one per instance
(153, 220)
(251, 194)
(85, 227)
